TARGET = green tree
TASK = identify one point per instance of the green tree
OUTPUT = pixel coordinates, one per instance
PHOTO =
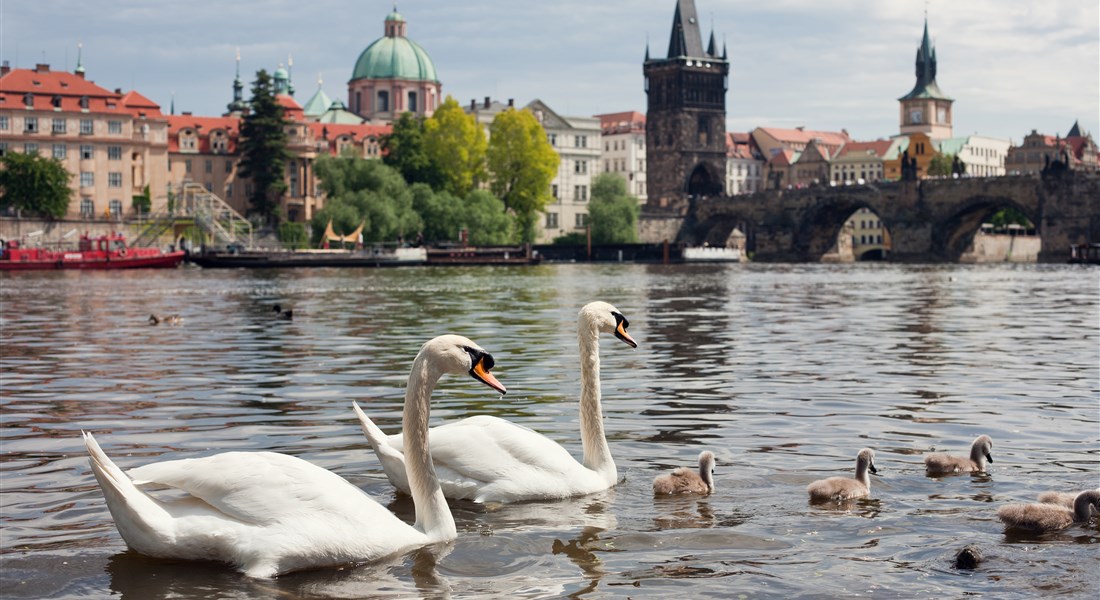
(940, 165)
(143, 202)
(263, 147)
(522, 163)
(613, 212)
(486, 221)
(293, 235)
(455, 142)
(35, 184)
(364, 191)
(441, 212)
(403, 149)
(1010, 216)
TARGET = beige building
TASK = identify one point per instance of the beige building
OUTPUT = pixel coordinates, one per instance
(1038, 151)
(744, 165)
(577, 142)
(623, 135)
(782, 149)
(859, 162)
(981, 156)
(113, 143)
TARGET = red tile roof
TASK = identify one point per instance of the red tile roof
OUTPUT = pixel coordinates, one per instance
(203, 126)
(876, 148)
(45, 85)
(804, 136)
(621, 122)
(293, 110)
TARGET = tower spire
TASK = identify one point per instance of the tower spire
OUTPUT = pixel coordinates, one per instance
(79, 70)
(237, 106)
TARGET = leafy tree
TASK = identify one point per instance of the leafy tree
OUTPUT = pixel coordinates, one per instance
(455, 143)
(613, 212)
(404, 150)
(263, 147)
(487, 223)
(293, 235)
(1010, 216)
(441, 212)
(367, 192)
(522, 163)
(143, 201)
(571, 238)
(35, 184)
(940, 165)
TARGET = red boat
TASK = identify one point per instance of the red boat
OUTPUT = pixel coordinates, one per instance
(105, 252)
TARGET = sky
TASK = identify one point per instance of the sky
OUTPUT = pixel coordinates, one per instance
(1011, 65)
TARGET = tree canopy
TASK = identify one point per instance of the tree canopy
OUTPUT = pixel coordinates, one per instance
(455, 143)
(365, 192)
(35, 184)
(521, 164)
(403, 149)
(263, 147)
(613, 212)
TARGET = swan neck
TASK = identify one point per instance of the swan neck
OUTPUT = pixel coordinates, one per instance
(433, 516)
(1082, 505)
(597, 454)
(861, 472)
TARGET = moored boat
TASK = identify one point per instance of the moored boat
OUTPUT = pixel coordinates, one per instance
(483, 255)
(103, 252)
(281, 259)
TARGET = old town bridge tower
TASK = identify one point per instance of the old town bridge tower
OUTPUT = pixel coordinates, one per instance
(685, 118)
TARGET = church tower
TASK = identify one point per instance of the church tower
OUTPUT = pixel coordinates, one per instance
(685, 117)
(926, 109)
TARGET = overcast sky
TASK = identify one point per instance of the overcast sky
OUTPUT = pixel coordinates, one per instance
(1011, 65)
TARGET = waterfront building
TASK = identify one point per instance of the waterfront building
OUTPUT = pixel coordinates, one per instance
(114, 144)
(392, 76)
(744, 164)
(685, 119)
(981, 156)
(926, 109)
(782, 150)
(623, 135)
(917, 148)
(1077, 150)
(859, 162)
(577, 142)
(869, 239)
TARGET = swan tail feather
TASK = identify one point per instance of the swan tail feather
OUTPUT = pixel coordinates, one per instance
(137, 515)
(393, 461)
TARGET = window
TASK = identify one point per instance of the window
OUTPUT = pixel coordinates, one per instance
(229, 190)
(187, 166)
(582, 141)
(187, 140)
(580, 166)
(87, 208)
(86, 151)
(412, 102)
(580, 193)
(209, 166)
(228, 166)
(552, 220)
(84, 102)
(114, 179)
(28, 100)
(115, 207)
(59, 151)
(87, 179)
(3, 148)
(552, 138)
(30, 124)
(114, 152)
(383, 104)
(30, 148)
(554, 191)
(4, 123)
(58, 126)
(114, 127)
(218, 143)
(581, 219)
(86, 127)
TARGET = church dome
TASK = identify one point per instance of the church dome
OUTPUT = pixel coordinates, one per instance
(394, 56)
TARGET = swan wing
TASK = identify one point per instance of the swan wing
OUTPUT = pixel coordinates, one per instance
(260, 488)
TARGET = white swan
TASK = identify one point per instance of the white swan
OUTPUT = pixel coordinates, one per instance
(267, 513)
(1042, 518)
(939, 463)
(846, 488)
(685, 481)
(489, 459)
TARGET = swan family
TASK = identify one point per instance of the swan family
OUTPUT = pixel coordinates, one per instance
(268, 514)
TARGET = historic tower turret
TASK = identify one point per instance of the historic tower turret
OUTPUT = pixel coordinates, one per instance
(926, 109)
(685, 117)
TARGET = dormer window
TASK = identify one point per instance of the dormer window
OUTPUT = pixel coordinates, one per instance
(28, 100)
(84, 102)
(218, 142)
(55, 101)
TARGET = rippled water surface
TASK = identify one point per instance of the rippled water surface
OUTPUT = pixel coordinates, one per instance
(784, 371)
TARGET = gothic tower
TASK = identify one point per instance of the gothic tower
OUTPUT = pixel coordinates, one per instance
(926, 109)
(685, 117)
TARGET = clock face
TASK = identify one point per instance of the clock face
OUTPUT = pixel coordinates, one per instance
(941, 115)
(915, 116)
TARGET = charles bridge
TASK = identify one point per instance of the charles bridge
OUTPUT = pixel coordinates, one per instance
(931, 220)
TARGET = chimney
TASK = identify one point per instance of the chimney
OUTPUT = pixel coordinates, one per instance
(473, 104)
(486, 102)
(42, 68)
(118, 91)
(5, 68)
(511, 102)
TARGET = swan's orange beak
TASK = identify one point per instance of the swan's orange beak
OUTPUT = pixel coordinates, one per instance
(481, 373)
(620, 332)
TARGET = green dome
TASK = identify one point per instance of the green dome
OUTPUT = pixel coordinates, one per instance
(394, 58)
(395, 16)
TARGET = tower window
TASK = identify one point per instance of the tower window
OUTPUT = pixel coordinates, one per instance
(383, 101)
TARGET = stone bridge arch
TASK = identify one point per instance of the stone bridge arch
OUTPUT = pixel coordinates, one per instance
(955, 233)
(822, 222)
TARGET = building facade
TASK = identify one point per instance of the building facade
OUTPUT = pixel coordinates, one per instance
(685, 117)
(782, 149)
(1037, 151)
(392, 76)
(981, 156)
(860, 162)
(744, 165)
(114, 144)
(623, 136)
(577, 142)
(926, 109)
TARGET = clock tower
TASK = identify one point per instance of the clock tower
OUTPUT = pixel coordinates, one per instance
(926, 109)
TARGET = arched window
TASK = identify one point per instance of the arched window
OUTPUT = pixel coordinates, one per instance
(412, 101)
(383, 104)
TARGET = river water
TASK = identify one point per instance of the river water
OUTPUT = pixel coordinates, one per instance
(784, 371)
